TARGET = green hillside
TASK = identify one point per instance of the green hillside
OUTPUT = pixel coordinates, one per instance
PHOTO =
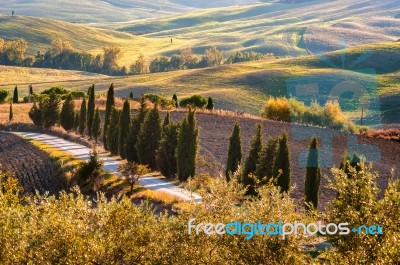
(245, 86)
(39, 32)
(281, 28)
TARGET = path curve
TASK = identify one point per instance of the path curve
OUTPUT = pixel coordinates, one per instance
(111, 165)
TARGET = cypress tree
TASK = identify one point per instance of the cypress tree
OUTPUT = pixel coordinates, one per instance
(234, 152)
(113, 131)
(30, 90)
(167, 120)
(186, 151)
(82, 116)
(68, 113)
(131, 154)
(250, 165)
(210, 104)
(35, 114)
(166, 157)
(124, 123)
(175, 99)
(149, 138)
(109, 105)
(266, 158)
(90, 110)
(15, 97)
(51, 110)
(76, 121)
(313, 176)
(96, 129)
(11, 113)
(281, 168)
(131, 96)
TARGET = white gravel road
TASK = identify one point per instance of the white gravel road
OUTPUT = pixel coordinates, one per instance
(111, 165)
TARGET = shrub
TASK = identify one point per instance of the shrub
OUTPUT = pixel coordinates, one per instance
(162, 101)
(35, 114)
(196, 101)
(57, 90)
(277, 109)
(90, 170)
(3, 96)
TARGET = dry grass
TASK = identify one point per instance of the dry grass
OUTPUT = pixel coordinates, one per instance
(20, 112)
(392, 134)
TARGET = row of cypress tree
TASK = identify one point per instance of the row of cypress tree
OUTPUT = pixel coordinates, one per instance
(272, 162)
(169, 146)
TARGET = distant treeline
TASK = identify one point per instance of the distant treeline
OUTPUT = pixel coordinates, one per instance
(61, 55)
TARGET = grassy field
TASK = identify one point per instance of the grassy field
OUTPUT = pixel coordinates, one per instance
(240, 87)
(283, 29)
(39, 33)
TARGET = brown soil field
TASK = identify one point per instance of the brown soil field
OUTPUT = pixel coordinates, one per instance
(32, 167)
(216, 130)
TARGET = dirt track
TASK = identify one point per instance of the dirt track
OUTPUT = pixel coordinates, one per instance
(216, 130)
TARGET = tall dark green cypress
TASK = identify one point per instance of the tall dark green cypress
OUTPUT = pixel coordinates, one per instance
(76, 121)
(131, 96)
(16, 97)
(175, 99)
(210, 104)
(313, 176)
(136, 123)
(166, 157)
(11, 113)
(124, 124)
(234, 152)
(109, 105)
(281, 167)
(149, 138)
(90, 110)
(82, 117)
(67, 114)
(250, 165)
(113, 132)
(167, 120)
(96, 129)
(188, 144)
(265, 161)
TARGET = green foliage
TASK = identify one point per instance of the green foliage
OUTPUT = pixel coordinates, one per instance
(357, 203)
(67, 114)
(50, 106)
(175, 99)
(96, 125)
(11, 113)
(72, 229)
(3, 96)
(57, 90)
(188, 145)
(162, 101)
(196, 101)
(210, 104)
(90, 110)
(313, 176)
(292, 110)
(136, 123)
(234, 152)
(131, 96)
(109, 105)
(35, 114)
(15, 96)
(124, 124)
(166, 156)
(113, 131)
(265, 161)
(239, 57)
(281, 168)
(351, 162)
(76, 121)
(82, 117)
(167, 120)
(89, 171)
(250, 165)
(149, 138)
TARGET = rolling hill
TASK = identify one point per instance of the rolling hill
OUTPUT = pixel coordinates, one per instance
(39, 32)
(92, 11)
(301, 28)
(245, 86)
